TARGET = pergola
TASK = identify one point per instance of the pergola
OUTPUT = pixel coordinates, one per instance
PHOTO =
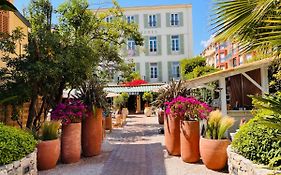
(221, 76)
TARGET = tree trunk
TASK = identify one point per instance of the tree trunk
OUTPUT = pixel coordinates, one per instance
(31, 111)
(58, 98)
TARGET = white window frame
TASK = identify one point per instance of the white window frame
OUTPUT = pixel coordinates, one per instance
(174, 19)
(109, 19)
(131, 44)
(152, 20)
(153, 71)
(130, 19)
(152, 44)
(175, 43)
(176, 69)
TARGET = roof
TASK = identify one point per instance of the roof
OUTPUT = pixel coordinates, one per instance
(227, 73)
(133, 89)
(155, 7)
(22, 18)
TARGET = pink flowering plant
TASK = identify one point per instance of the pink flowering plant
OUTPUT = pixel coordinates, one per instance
(188, 108)
(71, 111)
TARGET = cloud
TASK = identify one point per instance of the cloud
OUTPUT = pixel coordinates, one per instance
(208, 42)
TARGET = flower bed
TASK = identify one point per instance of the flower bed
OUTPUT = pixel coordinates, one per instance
(237, 164)
(25, 166)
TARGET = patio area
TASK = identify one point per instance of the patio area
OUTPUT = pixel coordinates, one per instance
(135, 149)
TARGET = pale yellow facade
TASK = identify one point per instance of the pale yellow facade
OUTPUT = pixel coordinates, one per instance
(15, 20)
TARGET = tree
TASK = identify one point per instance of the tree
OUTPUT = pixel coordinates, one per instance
(254, 23)
(195, 67)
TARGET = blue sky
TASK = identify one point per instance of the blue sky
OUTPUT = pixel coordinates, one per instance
(200, 13)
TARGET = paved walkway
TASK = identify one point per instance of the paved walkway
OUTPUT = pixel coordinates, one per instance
(135, 149)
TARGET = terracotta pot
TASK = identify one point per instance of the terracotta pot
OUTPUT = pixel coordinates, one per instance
(119, 119)
(189, 139)
(125, 112)
(172, 134)
(92, 133)
(108, 122)
(161, 117)
(48, 153)
(147, 111)
(71, 143)
(213, 153)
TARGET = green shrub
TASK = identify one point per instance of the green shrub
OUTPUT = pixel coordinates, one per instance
(14, 144)
(257, 142)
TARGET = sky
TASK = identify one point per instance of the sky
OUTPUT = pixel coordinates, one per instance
(200, 15)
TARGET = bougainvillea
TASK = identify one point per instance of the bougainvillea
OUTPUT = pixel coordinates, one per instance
(134, 83)
(187, 108)
(71, 111)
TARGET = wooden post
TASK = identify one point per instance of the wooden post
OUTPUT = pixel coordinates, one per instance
(138, 108)
(264, 79)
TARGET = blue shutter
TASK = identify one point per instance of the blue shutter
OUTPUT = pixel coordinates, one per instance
(138, 67)
(136, 19)
(158, 18)
(146, 45)
(170, 74)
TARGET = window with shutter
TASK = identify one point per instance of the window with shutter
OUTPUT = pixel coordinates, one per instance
(4, 21)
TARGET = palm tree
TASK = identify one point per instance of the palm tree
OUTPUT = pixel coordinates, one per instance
(7, 6)
(256, 24)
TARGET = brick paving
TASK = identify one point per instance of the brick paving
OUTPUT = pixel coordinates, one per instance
(135, 149)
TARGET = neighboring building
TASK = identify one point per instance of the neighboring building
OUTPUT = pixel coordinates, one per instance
(9, 21)
(225, 55)
(167, 33)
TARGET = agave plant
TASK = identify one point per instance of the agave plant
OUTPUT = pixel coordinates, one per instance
(217, 125)
(169, 92)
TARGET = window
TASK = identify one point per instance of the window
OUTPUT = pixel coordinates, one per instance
(152, 44)
(175, 43)
(222, 57)
(131, 45)
(152, 20)
(174, 19)
(130, 19)
(153, 70)
(109, 19)
(176, 69)
(234, 62)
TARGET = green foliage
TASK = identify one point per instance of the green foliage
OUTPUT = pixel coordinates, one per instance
(50, 130)
(169, 92)
(274, 74)
(125, 96)
(257, 142)
(14, 144)
(118, 102)
(217, 125)
(147, 96)
(195, 67)
(255, 24)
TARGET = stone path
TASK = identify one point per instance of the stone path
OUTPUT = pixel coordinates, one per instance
(135, 149)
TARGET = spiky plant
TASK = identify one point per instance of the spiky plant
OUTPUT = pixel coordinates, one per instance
(50, 130)
(217, 125)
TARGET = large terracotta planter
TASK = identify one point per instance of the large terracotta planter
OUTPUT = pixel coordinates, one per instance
(189, 140)
(48, 153)
(108, 122)
(213, 153)
(161, 117)
(92, 133)
(71, 143)
(172, 135)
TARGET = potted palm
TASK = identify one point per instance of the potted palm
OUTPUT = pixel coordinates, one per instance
(70, 113)
(108, 119)
(147, 97)
(92, 94)
(214, 144)
(48, 149)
